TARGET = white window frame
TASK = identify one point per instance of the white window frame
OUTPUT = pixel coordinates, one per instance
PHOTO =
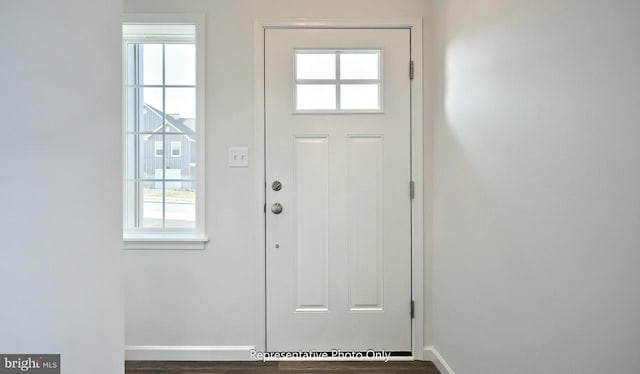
(158, 146)
(179, 148)
(338, 80)
(170, 238)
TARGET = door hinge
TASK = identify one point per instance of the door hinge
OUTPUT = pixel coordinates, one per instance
(411, 69)
(265, 207)
(413, 309)
(412, 191)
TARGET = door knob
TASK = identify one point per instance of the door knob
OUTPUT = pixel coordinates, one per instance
(276, 208)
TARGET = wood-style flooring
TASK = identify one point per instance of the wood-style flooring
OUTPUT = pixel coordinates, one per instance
(281, 367)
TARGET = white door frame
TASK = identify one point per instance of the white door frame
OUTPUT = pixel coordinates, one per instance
(417, 161)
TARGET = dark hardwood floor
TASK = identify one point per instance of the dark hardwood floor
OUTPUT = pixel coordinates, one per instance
(286, 367)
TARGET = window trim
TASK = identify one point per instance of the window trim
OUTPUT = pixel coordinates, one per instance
(179, 148)
(158, 146)
(170, 238)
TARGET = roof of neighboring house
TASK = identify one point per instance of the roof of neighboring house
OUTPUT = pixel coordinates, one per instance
(175, 122)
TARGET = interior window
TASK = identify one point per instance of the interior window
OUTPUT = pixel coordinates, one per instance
(161, 85)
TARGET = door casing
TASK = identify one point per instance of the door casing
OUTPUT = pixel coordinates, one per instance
(417, 162)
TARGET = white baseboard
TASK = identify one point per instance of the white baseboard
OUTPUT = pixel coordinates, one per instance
(341, 359)
(187, 353)
(235, 353)
(432, 354)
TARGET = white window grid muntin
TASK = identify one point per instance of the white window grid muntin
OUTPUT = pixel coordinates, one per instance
(136, 227)
(338, 81)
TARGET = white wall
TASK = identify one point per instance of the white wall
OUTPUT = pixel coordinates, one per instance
(537, 239)
(208, 298)
(60, 190)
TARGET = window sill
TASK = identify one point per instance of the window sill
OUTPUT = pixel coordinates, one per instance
(165, 243)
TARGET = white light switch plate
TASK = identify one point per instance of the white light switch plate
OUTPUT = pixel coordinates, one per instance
(238, 157)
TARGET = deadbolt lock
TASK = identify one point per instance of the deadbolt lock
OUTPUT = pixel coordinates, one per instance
(276, 208)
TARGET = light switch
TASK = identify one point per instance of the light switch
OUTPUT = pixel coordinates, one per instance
(238, 157)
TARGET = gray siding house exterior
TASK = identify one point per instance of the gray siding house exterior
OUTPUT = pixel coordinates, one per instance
(178, 148)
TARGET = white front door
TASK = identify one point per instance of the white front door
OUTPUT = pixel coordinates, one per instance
(338, 130)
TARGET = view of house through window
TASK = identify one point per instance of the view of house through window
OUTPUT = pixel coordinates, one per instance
(160, 124)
